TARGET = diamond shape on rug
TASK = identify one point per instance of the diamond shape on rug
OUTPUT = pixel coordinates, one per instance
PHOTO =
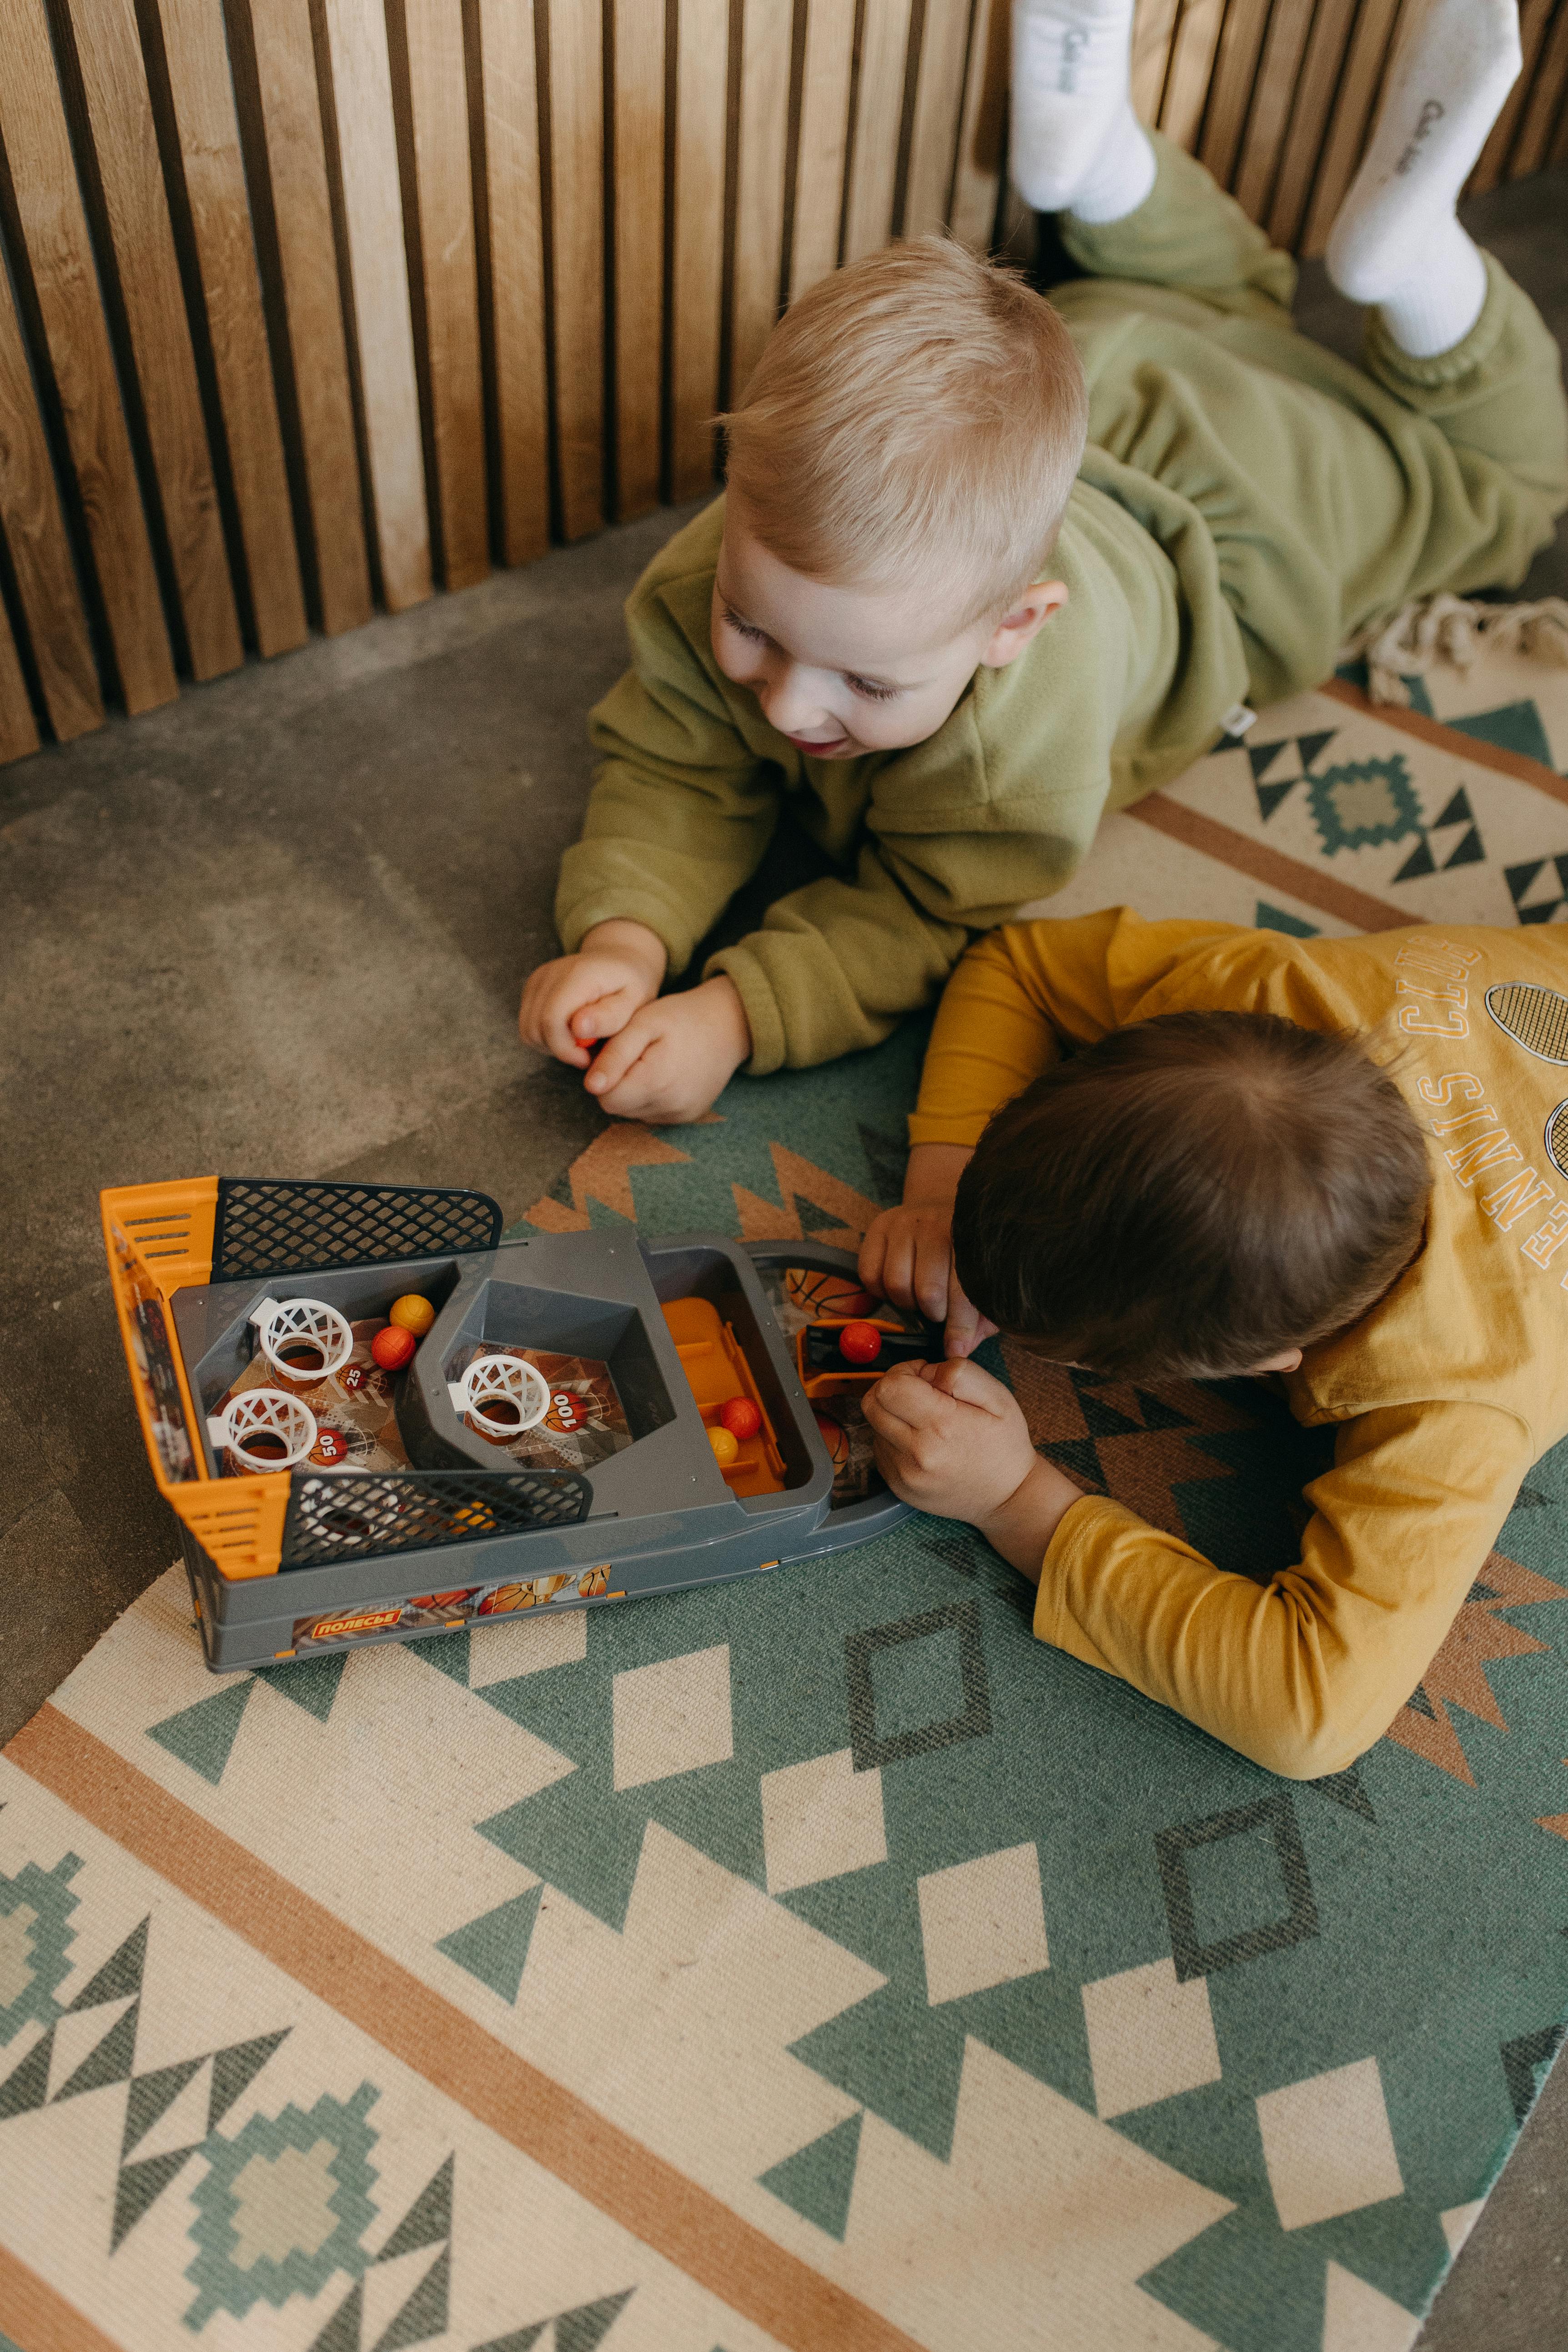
(1364, 802)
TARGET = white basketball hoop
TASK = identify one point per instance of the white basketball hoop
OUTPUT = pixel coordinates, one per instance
(501, 1395)
(302, 1339)
(264, 1429)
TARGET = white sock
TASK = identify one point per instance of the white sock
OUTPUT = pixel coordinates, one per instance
(1069, 90)
(1436, 308)
(1121, 175)
(1397, 241)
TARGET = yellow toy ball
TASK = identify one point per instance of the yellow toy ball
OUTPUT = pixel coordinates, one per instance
(726, 1446)
(412, 1312)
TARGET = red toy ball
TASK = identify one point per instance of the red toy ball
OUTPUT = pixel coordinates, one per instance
(393, 1348)
(740, 1417)
(859, 1343)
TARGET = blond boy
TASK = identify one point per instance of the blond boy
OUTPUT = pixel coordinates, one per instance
(947, 632)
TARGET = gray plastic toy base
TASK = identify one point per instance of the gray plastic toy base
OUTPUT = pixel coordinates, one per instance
(660, 1515)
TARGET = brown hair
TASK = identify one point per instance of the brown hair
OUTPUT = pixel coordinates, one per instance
(1192, 1195)
(918, 416)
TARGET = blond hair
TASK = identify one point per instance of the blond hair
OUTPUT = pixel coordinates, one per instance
(919, 412)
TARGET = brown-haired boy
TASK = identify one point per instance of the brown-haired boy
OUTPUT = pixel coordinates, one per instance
(1225, 1174)
(947, 636)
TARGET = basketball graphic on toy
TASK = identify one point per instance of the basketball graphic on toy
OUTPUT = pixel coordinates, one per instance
(833, 1435)
(740, 1417)
(859, 1343)
(393, 1348)
(412, 1312)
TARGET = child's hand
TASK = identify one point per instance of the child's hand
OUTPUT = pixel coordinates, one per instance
(673, 1057)
(569, 1004)
(952, 1441)
(907, 1256)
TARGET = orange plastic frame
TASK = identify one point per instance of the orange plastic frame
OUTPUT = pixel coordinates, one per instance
(159, 1238)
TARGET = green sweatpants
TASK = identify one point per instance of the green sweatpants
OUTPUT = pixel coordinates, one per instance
(1335, 493)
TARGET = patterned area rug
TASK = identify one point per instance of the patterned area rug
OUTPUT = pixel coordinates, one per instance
(819, 1961)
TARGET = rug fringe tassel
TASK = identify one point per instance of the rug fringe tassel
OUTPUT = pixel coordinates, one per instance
(1455, 629)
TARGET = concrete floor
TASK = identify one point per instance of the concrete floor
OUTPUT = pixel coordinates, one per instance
(280, 928)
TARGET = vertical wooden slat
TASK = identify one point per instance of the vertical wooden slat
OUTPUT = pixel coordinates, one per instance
(1241, 38)
(1534, 19)
(512, 197)
(1540, 116)
(1272, 101)
(1558, 153)
(1354, 109)
(939, 94)
(438, 109)
(312, 305)
(54, 229)
(878, 125)
(766, 42)
(1310, 118)
(125, 149)
(982, 128)
(1153, 30)
(41, 551)
(577, 206)
(372, 221)
(19, 727)
(702, 30)
(1192, 64)
(638, 178)
(824, 142)
(198, 57)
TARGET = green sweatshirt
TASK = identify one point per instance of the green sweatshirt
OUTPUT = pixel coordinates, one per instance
(1120, 690)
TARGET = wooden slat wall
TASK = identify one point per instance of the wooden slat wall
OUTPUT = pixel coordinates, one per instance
(308, 305)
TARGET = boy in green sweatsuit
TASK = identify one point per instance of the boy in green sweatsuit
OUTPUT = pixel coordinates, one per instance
(949, 634)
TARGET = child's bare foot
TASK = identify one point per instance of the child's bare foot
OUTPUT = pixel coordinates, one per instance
(1077, 144)
(1397, 241)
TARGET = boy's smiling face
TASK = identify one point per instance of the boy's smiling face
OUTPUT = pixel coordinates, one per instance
(843, 671)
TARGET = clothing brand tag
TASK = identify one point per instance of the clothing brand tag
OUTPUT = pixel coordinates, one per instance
(1238, 718)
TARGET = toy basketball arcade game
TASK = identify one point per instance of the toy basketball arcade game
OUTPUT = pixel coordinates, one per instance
(374, 1419)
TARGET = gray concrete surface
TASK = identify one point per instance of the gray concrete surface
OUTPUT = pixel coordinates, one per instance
(280, 928)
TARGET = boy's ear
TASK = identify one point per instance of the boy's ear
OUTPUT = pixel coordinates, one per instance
(1025, 617)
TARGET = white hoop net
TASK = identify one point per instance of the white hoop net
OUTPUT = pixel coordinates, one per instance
(503, 1395)
(303, 1339)
(266, 1430)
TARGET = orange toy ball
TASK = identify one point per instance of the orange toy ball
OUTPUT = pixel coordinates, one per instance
(393, 1348)
(726, 1446)
(412, 1313)
(741, 1417)
(859, 1343)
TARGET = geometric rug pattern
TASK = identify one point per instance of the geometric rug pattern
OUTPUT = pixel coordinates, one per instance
(819, 1961)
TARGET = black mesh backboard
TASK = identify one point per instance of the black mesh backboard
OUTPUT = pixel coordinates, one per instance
(267, 1225)
(346, 1517)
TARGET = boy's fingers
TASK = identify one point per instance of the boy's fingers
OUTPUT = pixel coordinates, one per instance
(873, 1252)
(885, 1410)
(617, 1055)
(967, 1384)
(604, 1016)
(899, 1268)
(934, 1259)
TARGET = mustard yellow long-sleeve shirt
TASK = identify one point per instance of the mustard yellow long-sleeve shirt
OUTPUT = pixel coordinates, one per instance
(1441, 1397)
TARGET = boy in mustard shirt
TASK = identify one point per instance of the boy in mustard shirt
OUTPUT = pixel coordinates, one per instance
(1343, 1160)
(947, 634)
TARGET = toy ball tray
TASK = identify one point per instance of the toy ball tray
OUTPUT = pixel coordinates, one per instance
(402, 1504)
